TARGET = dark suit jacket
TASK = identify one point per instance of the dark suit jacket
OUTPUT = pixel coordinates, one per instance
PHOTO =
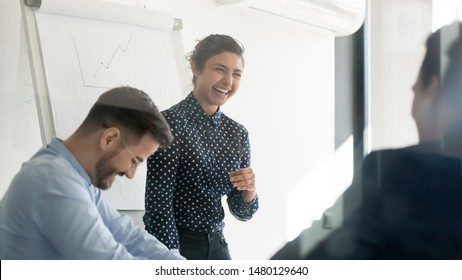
(411, 209)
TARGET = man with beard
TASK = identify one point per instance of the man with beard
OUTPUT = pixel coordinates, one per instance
(53, 208)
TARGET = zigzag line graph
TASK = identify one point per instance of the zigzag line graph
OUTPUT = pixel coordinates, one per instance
(101, 65)
(108, 64)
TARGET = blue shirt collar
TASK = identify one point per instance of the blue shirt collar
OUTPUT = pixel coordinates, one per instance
(57, 145)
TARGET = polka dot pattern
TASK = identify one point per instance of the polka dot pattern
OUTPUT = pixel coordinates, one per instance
(186, 181)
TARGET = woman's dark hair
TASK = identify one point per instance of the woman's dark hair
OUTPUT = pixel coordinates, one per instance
(212, 45)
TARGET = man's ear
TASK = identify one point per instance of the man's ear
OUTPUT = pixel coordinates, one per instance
(109, 137)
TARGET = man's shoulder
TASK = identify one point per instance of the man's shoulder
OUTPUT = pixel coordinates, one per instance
(414, 169)
(408, 156)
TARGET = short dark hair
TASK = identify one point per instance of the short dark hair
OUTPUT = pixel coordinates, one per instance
(446, 41)
(212, 45)
(131, 110)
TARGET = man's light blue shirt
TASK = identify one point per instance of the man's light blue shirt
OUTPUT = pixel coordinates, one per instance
(52, 211)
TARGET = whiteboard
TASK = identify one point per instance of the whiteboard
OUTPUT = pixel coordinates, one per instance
(87, 47)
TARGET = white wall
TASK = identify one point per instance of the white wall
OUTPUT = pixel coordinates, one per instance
(286, 100)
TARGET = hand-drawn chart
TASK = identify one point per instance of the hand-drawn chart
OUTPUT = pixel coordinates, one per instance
(106, 63)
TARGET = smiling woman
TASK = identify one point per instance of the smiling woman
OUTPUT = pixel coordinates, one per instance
(210, 158)
(217, 81)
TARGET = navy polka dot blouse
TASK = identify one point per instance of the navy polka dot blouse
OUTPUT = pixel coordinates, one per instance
(186, 181)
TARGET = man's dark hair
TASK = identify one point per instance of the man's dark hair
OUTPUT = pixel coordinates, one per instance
(132, 111)
(445, 44)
